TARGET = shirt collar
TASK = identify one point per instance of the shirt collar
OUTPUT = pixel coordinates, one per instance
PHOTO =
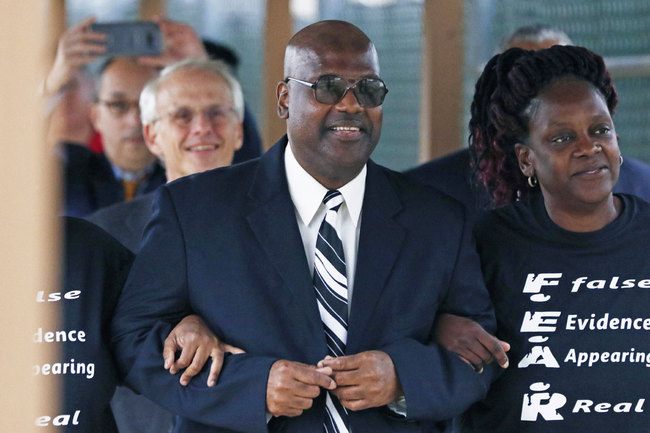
(307, 193)
(131, 175)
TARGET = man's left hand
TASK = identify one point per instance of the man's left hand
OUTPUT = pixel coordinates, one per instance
(365, 380)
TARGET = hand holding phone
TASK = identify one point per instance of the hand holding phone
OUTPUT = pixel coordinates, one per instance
(77, 47)
(139, 38)
(180, 42)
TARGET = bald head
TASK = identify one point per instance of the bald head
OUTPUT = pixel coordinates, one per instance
(323, 38)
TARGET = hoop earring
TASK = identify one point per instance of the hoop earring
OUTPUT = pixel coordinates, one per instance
(532, 181)
(620, 159)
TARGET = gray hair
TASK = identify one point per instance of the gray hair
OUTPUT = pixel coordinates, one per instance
(535, 33)
(217, 67)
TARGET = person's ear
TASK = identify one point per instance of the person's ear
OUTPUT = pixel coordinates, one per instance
(526, 158)
(282, 93)
(150, 134)
(240, 136)
(94, 115)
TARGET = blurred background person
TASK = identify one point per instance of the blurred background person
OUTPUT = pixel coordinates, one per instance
(109, 163)
(192, 120)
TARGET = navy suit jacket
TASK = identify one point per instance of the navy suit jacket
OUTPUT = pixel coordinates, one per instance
(225, 244)
(96, 266)
(125, 221)
(90, 183)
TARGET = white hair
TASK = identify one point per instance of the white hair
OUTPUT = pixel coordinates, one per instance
(217, 67)
(535, 33)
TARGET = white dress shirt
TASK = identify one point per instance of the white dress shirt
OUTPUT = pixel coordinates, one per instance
(307, 196)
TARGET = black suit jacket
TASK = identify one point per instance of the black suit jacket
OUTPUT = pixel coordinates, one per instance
(95, 267)
(225, 244)
(126, 221)
(90, 184)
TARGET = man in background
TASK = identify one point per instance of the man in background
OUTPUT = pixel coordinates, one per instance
(123, 168)
(192, 121)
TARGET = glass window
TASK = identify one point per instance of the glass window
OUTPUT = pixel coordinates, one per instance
(238, 25)
(611, 28)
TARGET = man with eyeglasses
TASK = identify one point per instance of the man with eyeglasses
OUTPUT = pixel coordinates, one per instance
(191, 116)
(192, 121)
(327, 269)
(126, 168)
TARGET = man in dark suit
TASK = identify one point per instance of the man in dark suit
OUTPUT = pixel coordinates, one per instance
(236, 245)
(184, 148)
(190, 86)
(126, 168)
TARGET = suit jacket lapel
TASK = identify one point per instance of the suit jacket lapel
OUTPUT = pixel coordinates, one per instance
(273, 220)
(380, 242)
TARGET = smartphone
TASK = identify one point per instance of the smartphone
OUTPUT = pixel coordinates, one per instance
(135, 38)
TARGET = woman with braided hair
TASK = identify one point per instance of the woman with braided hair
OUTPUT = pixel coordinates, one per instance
(564, 258)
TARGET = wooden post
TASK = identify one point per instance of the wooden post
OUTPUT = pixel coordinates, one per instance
(29, 235)
(441, 131)
(149, 8)
(278, 31)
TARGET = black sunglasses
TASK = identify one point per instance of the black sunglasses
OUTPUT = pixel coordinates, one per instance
(331, 89)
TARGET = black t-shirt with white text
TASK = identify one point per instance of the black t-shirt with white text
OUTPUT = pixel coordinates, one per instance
(575, 308)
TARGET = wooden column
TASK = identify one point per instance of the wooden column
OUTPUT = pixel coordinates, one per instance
(29, 236)
(56, 25)
(277, 32)
(441, 131)
(149, 8)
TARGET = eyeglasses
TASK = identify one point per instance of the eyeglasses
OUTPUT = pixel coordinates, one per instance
(216, 116)
(331, 89)
(119, 108)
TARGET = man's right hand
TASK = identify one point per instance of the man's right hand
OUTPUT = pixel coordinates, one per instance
(292, 387)
(470, 341)
(197, 343)
(77, 47)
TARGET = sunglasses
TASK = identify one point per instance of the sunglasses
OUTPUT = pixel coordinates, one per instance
(331, 89)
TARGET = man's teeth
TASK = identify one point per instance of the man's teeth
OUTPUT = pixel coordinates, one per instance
(205, 147)
(345, 128)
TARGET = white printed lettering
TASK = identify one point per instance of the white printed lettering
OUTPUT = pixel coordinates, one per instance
(596, 284)
(605, 407)
(534, 284)
(542, 403)
(59, 336)
(56, 296)
(540, 321)
(59, 420)
(539, 355)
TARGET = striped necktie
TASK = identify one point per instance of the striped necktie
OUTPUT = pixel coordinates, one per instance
(331, 285)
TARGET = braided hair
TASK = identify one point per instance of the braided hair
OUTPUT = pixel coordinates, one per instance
(499, 113)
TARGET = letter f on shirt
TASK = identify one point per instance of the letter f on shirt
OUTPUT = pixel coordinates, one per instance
(534, 284)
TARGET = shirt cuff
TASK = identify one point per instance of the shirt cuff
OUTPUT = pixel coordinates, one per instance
(398, 406)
